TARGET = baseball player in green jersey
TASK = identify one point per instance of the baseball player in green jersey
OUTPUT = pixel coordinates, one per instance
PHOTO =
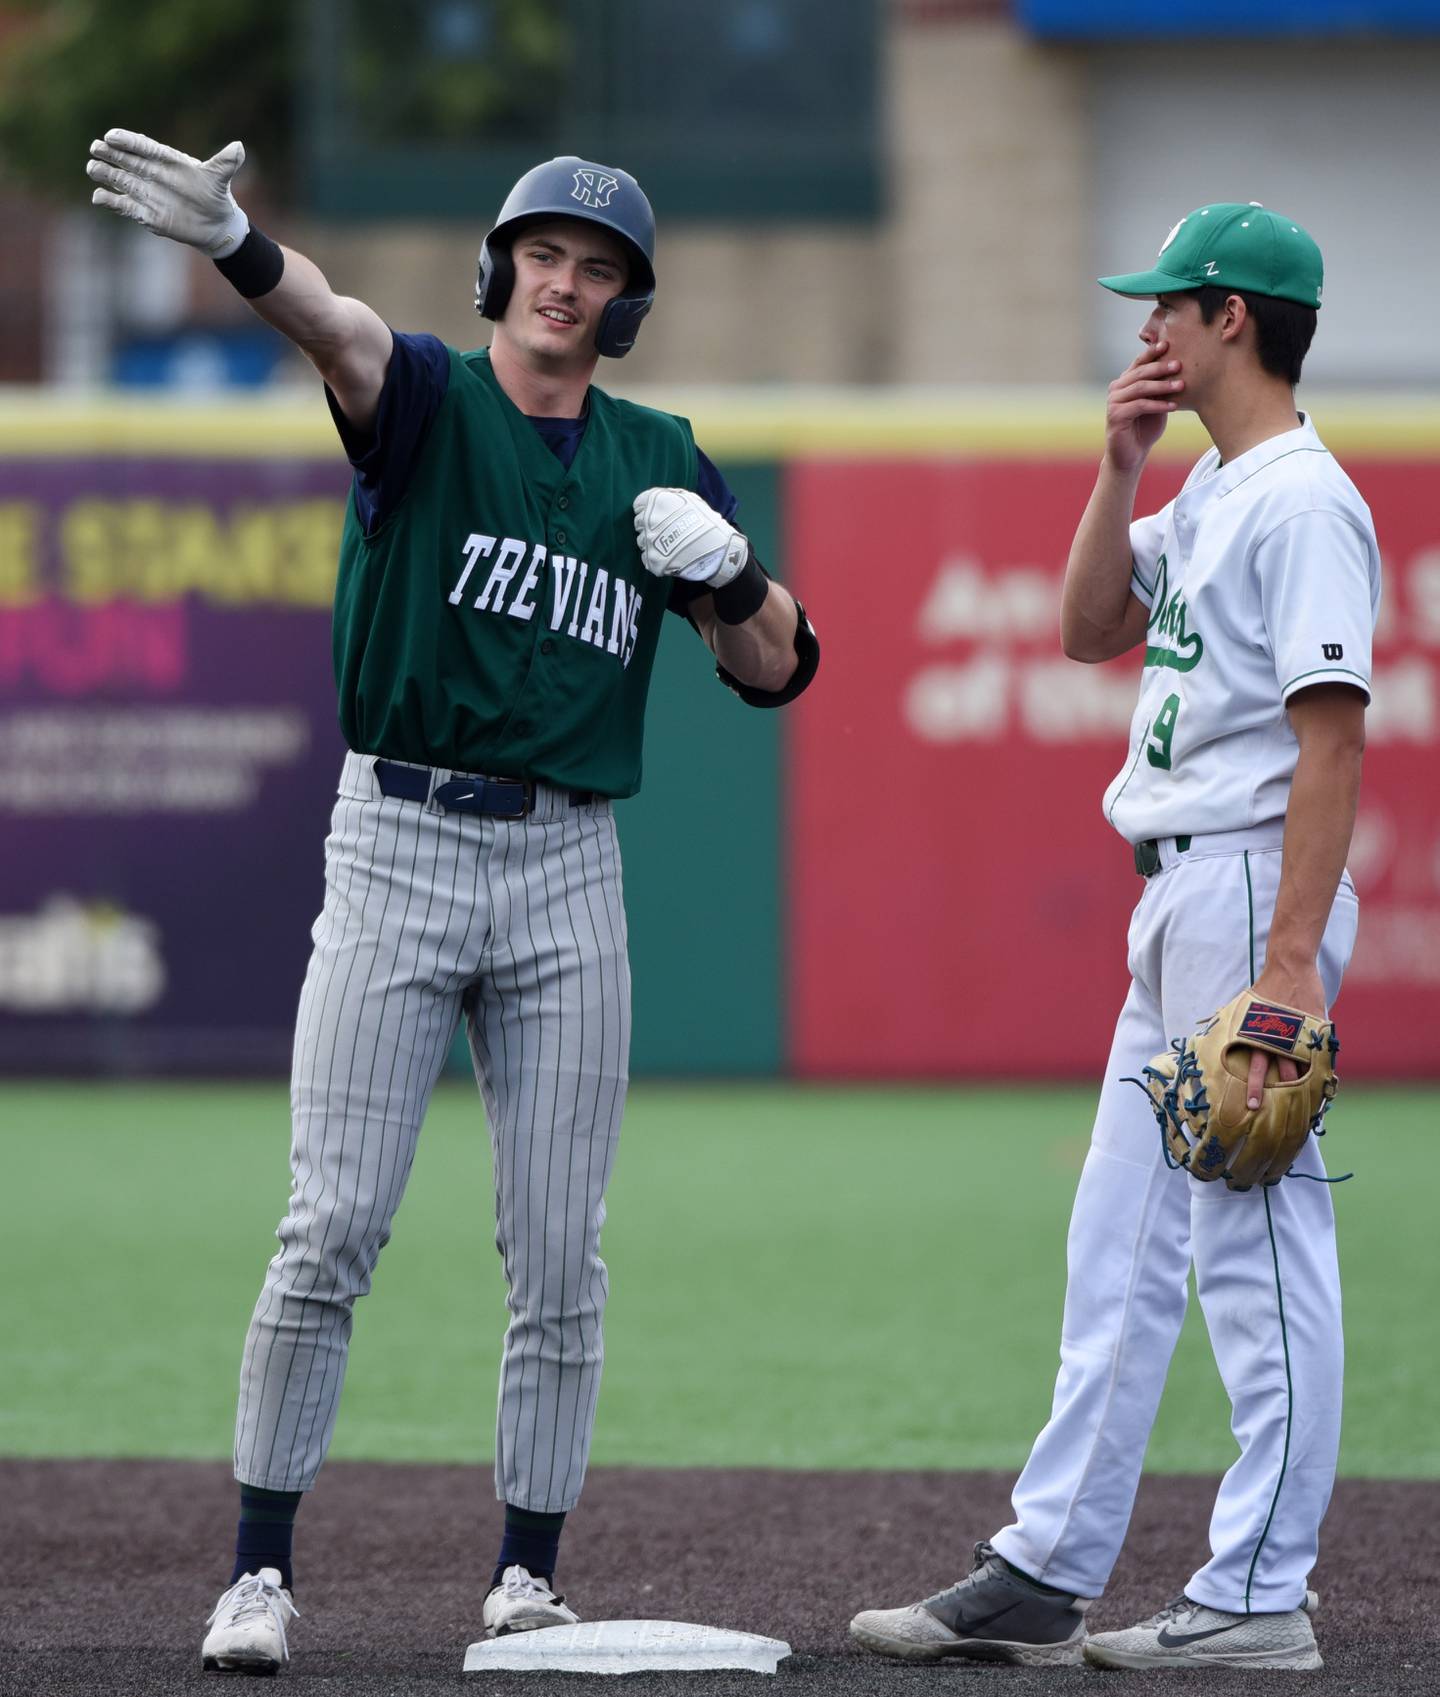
(512, 543)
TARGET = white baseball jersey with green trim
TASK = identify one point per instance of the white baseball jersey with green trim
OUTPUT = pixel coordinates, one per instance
(1263, 578)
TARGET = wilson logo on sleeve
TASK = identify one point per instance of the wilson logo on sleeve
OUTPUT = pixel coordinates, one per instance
(1333, 650)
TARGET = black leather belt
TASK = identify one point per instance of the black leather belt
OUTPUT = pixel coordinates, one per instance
(498, 798)
(1147, 854)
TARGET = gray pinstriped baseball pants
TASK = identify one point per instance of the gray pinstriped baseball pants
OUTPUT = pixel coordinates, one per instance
(519, 927)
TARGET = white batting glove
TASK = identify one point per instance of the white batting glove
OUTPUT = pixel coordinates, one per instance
(171, 194)
(681, 535)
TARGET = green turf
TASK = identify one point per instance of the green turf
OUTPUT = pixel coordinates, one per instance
(800, 1277)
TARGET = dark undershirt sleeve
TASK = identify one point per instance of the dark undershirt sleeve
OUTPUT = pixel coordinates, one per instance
(717, 493)
(713, 489)
(385, 455)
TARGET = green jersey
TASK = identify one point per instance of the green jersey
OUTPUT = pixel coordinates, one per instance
(499, 619)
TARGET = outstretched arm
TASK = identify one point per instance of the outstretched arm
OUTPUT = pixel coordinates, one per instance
(189, 200)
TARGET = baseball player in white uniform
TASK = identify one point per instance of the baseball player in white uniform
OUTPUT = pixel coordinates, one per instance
(1254, 593)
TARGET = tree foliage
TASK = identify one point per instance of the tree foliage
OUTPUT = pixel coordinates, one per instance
(199, 73)
(195, 73)
(451, 71)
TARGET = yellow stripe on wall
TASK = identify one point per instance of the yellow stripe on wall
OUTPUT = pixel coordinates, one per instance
(730, 424)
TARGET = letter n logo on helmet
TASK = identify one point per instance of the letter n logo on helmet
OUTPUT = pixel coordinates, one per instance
(594, 188)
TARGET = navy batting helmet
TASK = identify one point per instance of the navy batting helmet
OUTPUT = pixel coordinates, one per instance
(577, 188)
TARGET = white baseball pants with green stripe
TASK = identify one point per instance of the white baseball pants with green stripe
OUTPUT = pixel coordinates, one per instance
(518, 927)
(1265, 1270)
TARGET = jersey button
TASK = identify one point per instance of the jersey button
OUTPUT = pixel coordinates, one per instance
(563, 502)
(560, 537)
(548, 646)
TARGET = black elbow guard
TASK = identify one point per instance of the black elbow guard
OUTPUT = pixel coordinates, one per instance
(807, 663)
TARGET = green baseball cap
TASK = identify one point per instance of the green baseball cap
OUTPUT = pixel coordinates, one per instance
(1232, 246)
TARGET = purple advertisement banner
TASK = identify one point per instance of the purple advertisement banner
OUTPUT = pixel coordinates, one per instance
(168, 756)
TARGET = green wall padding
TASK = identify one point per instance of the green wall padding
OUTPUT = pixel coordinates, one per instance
(701, 844)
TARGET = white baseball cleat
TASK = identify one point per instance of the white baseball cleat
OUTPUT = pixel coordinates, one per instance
(1187, 1634)
(520, 1603)
(247, 1629)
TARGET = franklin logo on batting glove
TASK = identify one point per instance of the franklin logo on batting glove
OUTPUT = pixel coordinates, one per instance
(681, 535)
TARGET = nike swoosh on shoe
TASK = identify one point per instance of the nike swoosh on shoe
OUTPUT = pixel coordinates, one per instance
(1173, 1640)
(967, 1628)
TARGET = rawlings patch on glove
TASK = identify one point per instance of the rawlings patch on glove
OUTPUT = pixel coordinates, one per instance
(1200, 1099)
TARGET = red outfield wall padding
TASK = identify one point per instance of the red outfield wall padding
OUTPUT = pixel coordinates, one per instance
(957, 903)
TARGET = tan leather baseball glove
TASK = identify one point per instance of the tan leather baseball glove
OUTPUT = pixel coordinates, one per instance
(1198, 1092)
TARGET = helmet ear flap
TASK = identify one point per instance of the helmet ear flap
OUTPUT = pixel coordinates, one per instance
(494, 280)
(620, 323)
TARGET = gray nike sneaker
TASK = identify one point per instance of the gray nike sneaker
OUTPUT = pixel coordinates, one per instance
(995, 1615)
(1188, 1635)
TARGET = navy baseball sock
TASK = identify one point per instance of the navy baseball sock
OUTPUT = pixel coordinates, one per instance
(531, 1541)
(263, 1537)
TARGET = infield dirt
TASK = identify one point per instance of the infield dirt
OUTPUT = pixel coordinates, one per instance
(108, 1569)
